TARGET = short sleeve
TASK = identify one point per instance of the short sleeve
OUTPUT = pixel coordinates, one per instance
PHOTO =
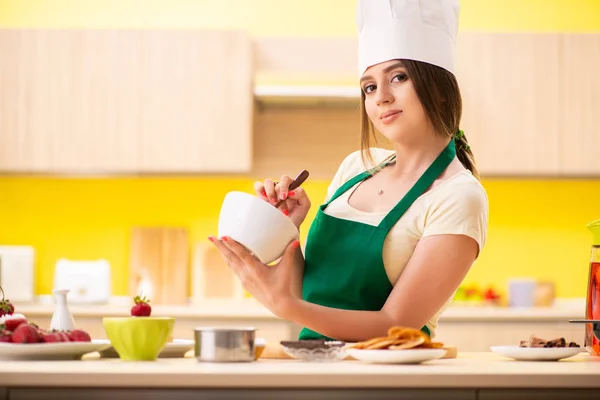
(341, 175)
(462, 211)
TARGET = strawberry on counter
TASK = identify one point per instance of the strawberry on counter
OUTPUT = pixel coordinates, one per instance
(15, 328)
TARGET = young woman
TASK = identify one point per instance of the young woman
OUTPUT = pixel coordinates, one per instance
(399, 229)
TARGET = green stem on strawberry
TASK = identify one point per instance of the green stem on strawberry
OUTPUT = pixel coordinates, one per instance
(5, 307)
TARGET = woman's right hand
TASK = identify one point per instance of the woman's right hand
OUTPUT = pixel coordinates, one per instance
(297, 203)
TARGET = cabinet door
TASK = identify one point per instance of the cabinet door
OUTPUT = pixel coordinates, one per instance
(580, 115)
(196, 102)
(26, 120)
(125, 101)
(510, 85)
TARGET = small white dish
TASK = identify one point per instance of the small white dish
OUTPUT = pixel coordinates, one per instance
(49, 351)
(333, 353)
(175, 349)
(537, 353)
(408, 356)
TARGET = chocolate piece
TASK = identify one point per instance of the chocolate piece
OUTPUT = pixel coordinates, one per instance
(533, 341)
(539, 342)
(559, 342)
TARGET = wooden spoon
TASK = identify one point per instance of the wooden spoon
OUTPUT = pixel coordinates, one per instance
(302, 176)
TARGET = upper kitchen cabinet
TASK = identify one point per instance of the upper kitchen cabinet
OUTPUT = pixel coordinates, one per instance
(510, 85)
(125, 101)
(532, 102)
(579, 119)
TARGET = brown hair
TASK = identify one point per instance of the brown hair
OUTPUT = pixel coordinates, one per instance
(440, 96)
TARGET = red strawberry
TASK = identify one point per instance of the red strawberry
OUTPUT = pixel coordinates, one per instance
(5, 336)
(141, 307)
(25, 333)
(77, 335)
(51, 338)
(6, 308)
(12, 323)
(62, 336)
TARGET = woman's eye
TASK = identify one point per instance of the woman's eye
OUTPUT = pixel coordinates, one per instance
(400, 77)
(369, 88)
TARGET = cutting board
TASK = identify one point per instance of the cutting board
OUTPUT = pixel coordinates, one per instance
(275, 351)
(161, 254)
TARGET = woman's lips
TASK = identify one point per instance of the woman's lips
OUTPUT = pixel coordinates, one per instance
(389, 116)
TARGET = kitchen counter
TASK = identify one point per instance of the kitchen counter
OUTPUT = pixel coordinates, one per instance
(470, 328)
(474, 375)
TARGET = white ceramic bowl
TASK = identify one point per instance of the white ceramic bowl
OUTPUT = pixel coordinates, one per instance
(263, 229)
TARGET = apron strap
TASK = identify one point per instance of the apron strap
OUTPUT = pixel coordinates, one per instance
(424, 182)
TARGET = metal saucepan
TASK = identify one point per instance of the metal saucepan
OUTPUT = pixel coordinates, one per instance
(225, 344)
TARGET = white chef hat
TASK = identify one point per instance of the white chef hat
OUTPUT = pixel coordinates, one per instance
(420, 30)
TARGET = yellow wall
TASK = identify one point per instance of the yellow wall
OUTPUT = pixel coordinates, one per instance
(537, 227)
(288, 17)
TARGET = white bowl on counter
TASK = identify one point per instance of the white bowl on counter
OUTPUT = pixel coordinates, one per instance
(256, 224)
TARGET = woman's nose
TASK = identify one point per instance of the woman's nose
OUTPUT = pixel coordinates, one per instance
(384, 95)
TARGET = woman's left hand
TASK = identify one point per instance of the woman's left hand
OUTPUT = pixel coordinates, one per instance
(269, 284)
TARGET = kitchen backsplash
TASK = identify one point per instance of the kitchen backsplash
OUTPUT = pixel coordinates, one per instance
(537, 227)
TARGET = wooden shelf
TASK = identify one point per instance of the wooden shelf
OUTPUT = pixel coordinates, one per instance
(279, 94)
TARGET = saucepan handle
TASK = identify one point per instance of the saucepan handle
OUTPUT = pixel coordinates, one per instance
(595, 325)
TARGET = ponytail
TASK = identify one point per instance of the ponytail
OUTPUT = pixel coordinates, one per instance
(464, 153)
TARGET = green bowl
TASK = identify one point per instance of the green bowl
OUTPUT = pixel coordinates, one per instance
(138, 338)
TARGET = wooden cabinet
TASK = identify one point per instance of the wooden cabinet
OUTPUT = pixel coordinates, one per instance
(171, 101)
(511, 103)
(579, 119)
(531, 102)
(125, 101)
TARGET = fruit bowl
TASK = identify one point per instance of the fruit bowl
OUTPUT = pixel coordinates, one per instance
(138, 338)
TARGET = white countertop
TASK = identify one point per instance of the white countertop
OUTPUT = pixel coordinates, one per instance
(250, 309)
(469, 370)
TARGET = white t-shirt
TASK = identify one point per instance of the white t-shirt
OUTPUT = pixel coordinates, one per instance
(458, 205)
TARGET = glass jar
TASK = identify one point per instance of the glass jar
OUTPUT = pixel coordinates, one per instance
(593, 301)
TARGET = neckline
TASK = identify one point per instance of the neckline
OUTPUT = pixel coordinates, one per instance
(350, 192)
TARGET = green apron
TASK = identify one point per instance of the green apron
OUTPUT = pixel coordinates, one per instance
(343, 259)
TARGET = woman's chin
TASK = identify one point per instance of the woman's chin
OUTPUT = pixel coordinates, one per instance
(393, 135)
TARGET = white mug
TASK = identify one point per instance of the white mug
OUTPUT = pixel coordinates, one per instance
(521, 292)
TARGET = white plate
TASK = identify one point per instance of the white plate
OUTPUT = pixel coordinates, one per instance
(175, 349)
(409, 356)
(537, 353)
(49, 351)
